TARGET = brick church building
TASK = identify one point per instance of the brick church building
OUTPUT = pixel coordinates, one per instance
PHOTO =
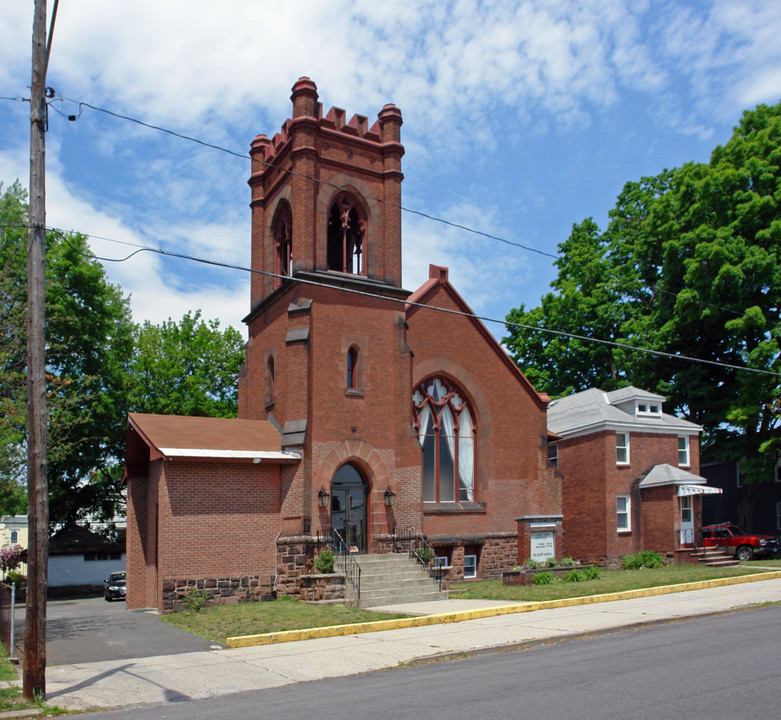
(363, 407)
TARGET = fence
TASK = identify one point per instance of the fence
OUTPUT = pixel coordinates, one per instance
(7, 604)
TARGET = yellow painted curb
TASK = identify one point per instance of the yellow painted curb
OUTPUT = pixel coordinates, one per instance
(462, 615)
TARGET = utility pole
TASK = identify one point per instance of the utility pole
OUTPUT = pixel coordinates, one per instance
(34, 670)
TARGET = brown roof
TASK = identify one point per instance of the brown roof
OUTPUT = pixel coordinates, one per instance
(178, 435)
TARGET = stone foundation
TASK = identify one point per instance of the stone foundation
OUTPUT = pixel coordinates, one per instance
(218, 591)
(296, 562)
(319, 588)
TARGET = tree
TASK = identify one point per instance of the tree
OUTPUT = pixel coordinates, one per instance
(88, 344)
(186, 368)
(690, 264)
(13, 392)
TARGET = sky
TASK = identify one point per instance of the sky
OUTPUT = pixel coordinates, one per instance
(520, 120)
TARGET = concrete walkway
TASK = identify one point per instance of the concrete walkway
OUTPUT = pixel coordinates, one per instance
(213, 673)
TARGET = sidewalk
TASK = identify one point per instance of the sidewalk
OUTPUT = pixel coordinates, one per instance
(220, 672)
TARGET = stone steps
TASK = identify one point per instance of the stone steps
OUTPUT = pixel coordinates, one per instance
(714, 557)
(391, 579)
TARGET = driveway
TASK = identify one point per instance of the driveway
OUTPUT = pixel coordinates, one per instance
(93, 630)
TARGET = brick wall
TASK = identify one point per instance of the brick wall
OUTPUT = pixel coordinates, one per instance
(592, 480)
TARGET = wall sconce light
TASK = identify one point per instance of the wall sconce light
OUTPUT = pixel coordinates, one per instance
(322, 498)
(390, 497)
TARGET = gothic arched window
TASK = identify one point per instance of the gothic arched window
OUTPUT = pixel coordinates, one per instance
(352, 368)
(447, 434)
(283, 243)
(346, 236)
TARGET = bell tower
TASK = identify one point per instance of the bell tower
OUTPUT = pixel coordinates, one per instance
(326, 196)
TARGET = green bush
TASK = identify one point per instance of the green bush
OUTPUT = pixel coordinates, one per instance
(530, 564)
(425, 554)
(645, 559)
(575, 576)
(543, 578)
(593, 573)
(567, 562)
(324, 562)
(195, 600)
(14, 576)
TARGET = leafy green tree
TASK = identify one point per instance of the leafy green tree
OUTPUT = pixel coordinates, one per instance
(189, 367)
(13, 336)
(88, 343)
(690, 264)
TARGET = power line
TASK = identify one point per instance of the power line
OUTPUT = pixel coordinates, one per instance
(482, 318)
(246, 156)
(82, 104)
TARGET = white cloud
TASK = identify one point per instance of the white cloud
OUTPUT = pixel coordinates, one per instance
(469, 78)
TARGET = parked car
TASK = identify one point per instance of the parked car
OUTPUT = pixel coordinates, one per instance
(114, 587)
(736, 541)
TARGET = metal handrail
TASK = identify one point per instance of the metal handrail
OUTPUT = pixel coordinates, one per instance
(417, 546)
(346, 563)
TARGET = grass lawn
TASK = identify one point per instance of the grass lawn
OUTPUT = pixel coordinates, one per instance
(770, 562)
(11, 694)
(611, 581)
(220, 622)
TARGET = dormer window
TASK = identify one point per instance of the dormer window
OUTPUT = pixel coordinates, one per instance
(648, 409)
(346, 236)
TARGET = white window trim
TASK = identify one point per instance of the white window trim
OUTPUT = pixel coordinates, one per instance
(627, 512)
(648, 409)
(474, 571)
(624, 447)
(686, 504)
(687, 449)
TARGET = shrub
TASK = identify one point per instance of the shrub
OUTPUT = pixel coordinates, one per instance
(566, 562)
(575, 576)
(645, 559)
(530, 564)
(543, 578)
(324, 562)
(425, 554)
(195, 600)
(593, 573)
(14, 576)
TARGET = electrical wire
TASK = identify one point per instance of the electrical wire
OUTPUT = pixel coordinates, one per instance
(428, 216)
(295, 173)
(449, 223)
(407, 303)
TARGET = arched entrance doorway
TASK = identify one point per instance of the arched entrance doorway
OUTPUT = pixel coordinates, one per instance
(348, 506)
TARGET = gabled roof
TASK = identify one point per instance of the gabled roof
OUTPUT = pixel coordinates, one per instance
(593, 410)
(438, 278)
(180, 437)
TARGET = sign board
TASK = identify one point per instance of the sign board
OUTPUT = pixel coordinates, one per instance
(543, 546)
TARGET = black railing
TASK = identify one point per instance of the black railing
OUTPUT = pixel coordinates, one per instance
(415, 544)
(344, 562)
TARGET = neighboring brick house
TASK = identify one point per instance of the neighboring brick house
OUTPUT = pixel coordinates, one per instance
(631, 474)
(392, 417)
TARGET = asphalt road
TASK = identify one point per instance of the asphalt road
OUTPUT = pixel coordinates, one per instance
(707, 668)
(93, 630)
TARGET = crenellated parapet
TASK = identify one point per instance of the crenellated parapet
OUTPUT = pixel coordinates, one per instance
(384, 133)
(302, 169)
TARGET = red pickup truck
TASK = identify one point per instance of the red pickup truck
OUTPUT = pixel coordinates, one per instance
(736, 541)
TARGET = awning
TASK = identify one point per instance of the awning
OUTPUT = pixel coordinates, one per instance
(684, 490)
